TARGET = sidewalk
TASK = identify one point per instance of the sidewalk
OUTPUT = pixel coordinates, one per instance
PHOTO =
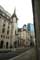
(14, 50)
(28, 55)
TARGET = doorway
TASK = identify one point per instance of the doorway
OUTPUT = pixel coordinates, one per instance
(6, 44)
(1, 44)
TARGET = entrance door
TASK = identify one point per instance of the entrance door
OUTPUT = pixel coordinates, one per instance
(15, 44)
(6, 44)
(1, 44)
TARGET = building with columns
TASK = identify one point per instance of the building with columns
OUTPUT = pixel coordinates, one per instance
(7, 28)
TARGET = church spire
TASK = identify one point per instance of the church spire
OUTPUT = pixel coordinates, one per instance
(14, 14)
(15, 11)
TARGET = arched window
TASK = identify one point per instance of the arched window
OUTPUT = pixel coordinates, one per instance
(7, 32)
(3, 25)
(3, 30)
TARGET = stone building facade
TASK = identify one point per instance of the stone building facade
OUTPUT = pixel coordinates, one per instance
(23, 37)
(7, 29)
(10, 36)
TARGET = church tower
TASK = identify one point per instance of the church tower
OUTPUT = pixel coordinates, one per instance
(14, 25)
(15, 19)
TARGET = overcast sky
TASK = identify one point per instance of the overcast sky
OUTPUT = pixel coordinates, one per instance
(23, 10)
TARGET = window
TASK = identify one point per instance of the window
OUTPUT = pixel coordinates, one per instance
(8, 27)
(7, 37)
(1, 36)
(7, 31)
(0, 16)
(3, 25)
(3, 30)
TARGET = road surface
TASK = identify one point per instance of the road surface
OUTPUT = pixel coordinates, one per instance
(28, 55)
(8, 55)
